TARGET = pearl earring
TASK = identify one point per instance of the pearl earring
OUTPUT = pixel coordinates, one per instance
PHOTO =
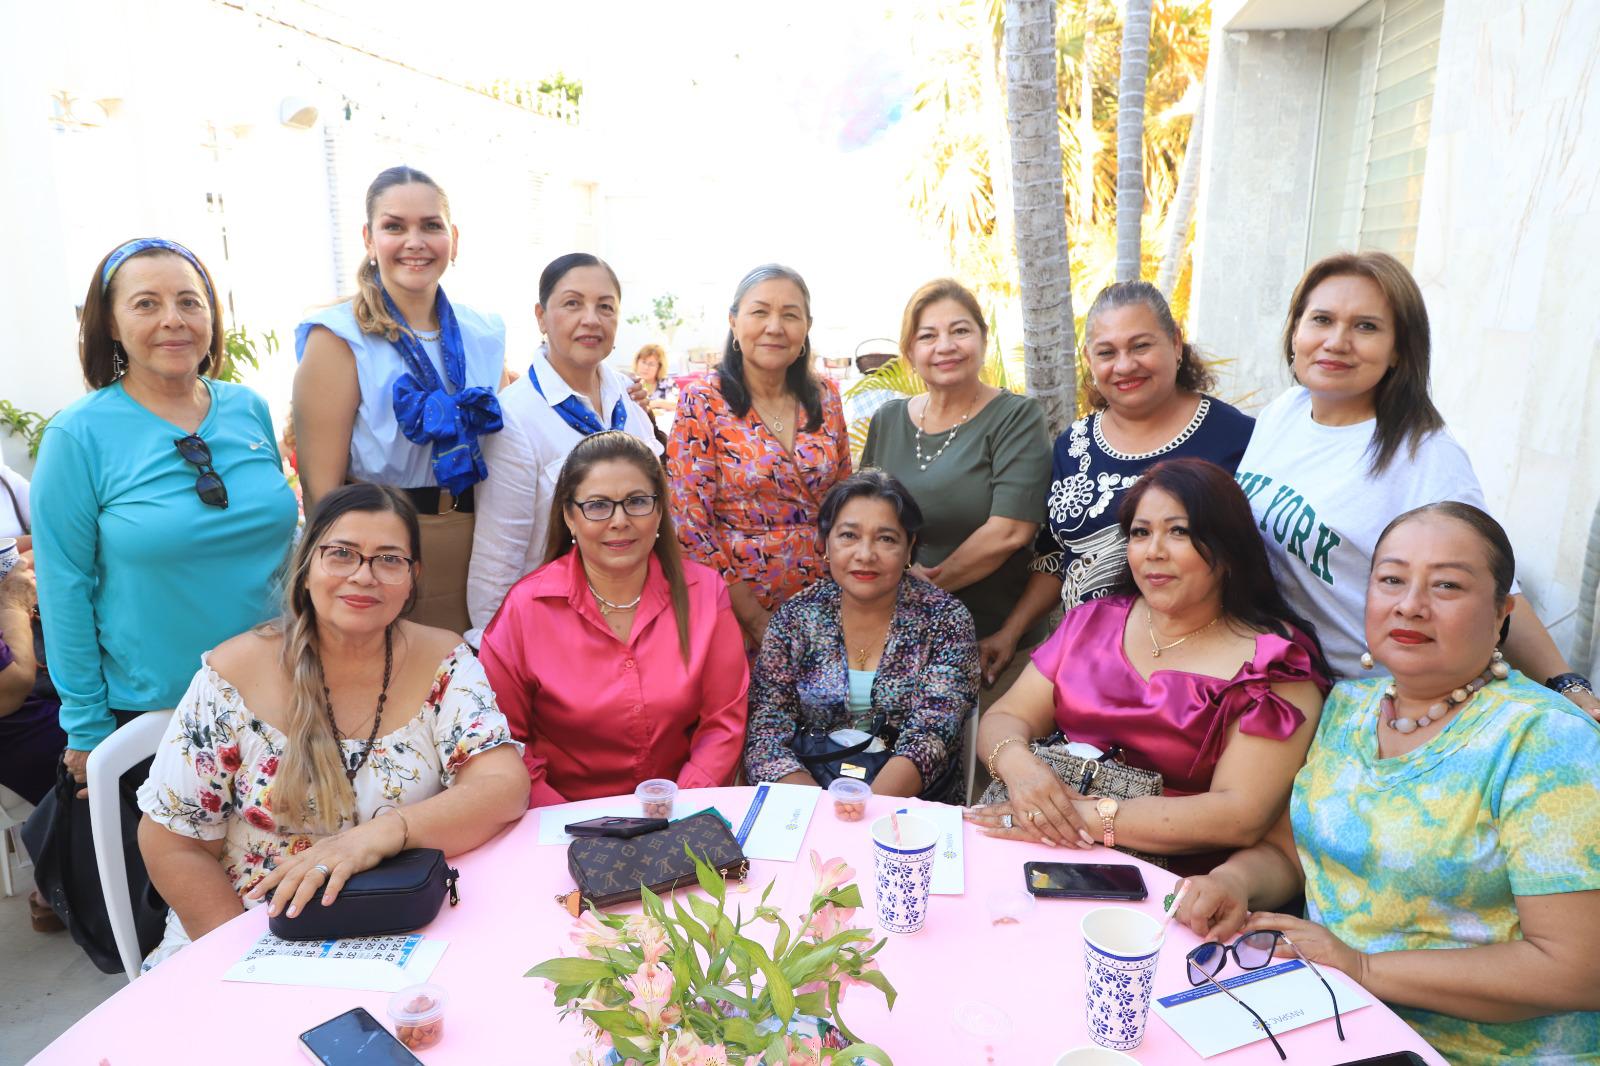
(1366, 660)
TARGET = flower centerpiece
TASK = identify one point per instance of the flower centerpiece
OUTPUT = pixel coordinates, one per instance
(690, 987)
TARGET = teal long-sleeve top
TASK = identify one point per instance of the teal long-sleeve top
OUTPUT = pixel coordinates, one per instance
(138, 577)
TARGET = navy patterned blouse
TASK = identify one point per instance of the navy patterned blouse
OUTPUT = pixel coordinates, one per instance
(926, 683)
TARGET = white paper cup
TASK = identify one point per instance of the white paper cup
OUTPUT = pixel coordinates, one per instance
(903, 871)
(1095, 1056)
(8, 554)
(1120, 948)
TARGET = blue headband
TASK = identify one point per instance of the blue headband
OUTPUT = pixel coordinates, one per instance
(145, 244)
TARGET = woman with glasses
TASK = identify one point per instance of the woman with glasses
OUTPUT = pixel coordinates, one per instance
(314, 747)
(1194, 666)
(755, 447)
(618, 661)
(161, 513)
(567, 394)
(1443, 828)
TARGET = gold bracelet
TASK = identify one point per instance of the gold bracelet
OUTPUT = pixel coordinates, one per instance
(405, 827)
(1008, 740)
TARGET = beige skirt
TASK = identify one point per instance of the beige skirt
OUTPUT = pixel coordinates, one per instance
(442, 589)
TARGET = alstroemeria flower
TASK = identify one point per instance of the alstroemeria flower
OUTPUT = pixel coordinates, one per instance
(654, 942)
(711, 1055)
(652, 989)
(590, 932)
(829, 920)
(808, 1053)
(830, 875)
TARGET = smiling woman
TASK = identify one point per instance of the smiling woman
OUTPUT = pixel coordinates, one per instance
(163, 511)
(618, 661)
(396, 385)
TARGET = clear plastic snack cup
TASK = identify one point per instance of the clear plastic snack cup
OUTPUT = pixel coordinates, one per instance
(849, 798)
(656, 797)
(418, 1015)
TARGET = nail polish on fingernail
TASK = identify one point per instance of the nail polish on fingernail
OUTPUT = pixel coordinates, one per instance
(292, 909)
(1085, 837)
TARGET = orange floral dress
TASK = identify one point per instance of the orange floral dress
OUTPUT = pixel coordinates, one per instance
(743, 504)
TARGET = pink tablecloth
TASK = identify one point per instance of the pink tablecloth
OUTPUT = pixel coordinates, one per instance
(508, 920)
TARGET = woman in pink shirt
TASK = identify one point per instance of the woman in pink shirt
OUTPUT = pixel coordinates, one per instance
(617, 660)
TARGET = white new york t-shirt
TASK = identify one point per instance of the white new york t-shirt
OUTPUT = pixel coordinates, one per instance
(1320, 510)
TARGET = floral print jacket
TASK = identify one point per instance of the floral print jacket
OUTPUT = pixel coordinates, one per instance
(212, 776)
(926, 683)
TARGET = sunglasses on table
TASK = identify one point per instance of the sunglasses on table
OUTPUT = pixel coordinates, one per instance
(340, 561)
(601, 508)
(1251, 951)
(208, 486)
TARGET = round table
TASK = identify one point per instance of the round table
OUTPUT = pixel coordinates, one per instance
(508, 921)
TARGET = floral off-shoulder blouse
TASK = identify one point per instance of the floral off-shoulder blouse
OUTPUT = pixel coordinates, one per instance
(213, 772)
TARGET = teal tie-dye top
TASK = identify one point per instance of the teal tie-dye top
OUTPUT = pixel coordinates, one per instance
(1428, 849)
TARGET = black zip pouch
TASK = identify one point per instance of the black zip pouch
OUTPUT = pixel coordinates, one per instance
(402, 893)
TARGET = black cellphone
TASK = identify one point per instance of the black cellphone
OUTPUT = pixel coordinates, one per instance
(1397, 1058)
(1084, 880)
(616, 827)
(355, 1038)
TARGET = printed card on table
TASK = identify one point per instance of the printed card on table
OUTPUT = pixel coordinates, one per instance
(949, 856)
(775, 824)
(1287, 995)
(554, 820)
(376, 963)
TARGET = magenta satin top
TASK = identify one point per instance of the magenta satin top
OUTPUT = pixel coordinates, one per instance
(1177, 722)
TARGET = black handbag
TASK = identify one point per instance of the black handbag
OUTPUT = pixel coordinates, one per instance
(401, 893)
(612, 870)
(826, 760)
(60, 841)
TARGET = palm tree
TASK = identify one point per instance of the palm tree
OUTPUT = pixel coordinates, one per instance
(1130, 138)
(1183, 201)
(1039, 207)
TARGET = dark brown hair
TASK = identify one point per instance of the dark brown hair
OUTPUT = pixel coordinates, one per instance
(95, 352)
(617, 445)
(1405, 411)
(1224, 533)
(1193, 374)
(1496, 545)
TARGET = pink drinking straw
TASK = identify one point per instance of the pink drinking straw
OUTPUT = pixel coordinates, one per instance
(894, 820)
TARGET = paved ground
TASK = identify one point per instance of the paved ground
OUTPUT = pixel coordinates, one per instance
(46, 982)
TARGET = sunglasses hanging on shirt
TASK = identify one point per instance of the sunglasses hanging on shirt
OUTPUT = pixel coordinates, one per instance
(208, 485)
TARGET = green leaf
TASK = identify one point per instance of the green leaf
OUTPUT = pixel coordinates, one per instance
(848, 896)
(628, 1049)
(741, 1032)
(714, 884)
(571, 971)
(812, 1003)
(870, 1052)
(781, 944)
(724, 992)
(778, 987)
(616, 1022)
(877, 980)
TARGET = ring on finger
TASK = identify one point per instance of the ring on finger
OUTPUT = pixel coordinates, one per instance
(1033, 816)
(1005, 821)
(324, 868)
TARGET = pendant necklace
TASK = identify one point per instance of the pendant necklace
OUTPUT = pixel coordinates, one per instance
(1157, 648)
(924, 463)
(774, 424)
(358, 759)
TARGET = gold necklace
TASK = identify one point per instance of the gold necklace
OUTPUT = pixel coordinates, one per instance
(1157, 648)
(774, 424)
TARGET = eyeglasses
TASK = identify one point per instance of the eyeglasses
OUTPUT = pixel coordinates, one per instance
(208, 486)
(1252, 951)
(601, 508)
(340, 561)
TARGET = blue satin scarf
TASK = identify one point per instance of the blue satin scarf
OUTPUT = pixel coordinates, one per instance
(573, 411)
(430, 413)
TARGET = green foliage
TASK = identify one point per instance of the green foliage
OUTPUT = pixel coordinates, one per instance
(29, 425)
(241, 351)
(558, 97)
(694, 977)
(663, 314)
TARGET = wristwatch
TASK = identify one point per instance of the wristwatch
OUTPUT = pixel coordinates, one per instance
(1565, 682)
(1107, 809)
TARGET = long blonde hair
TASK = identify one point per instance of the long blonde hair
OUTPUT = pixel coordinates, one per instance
(310, 791)
(371, 313)
(616, 445)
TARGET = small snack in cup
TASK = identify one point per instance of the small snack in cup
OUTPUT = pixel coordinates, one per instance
(418, 1015)
(656, 797)
(849, 798)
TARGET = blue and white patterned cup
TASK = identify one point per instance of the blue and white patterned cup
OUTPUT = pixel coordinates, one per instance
(904, 869)
(1120, 948)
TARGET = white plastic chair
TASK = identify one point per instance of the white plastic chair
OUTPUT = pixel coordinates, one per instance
(971, 742)
(14, 810)
(110, 760)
